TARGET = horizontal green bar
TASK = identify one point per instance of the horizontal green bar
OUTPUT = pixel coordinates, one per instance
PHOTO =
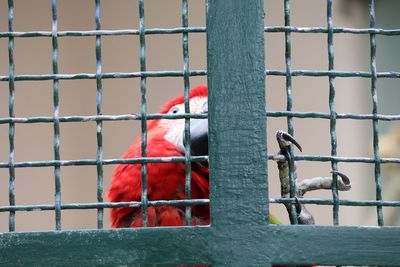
(277, 29)
(295, 114)
(75, 206)
(333, 73)
(341, 202)
(337, 159)
(109, 75)
(179, 30)
(88, 162)
(124, 75)
(48, 119)
(301, 245)
(106, 247)
(324, 115)
(319, 115)
(334, 245)
(104, 32)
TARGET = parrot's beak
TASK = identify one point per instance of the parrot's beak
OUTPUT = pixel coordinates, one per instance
(199, 134)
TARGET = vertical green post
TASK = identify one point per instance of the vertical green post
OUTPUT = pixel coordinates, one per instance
(238, 158)
(237, 130)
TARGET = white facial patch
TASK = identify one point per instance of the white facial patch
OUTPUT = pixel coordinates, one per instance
(175, 128)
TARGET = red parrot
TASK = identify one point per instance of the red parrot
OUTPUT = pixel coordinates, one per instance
(165, 181)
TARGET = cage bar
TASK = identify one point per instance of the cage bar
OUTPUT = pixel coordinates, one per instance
(56, 111)
(186, 94)
(99, 123)
(296, 114)
(143, 111)
(110, 75)
(375, 126)
(102, 205)
(323, 115)
(177, 30)
(104, 162)
(180, 203)
(334, 30)
(332, 109)
(11, 127)
(88, 162)
(180, 30)
(342, 202)
(126, 75)
(343, 74)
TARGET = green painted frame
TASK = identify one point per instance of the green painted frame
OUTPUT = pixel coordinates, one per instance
(239, 234)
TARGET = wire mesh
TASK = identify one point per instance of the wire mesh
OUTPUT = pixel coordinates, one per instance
(333, 116)
(56, 119)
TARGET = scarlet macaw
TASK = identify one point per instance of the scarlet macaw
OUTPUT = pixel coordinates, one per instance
(165, 181)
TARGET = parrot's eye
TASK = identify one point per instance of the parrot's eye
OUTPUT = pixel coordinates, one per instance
(175, 110)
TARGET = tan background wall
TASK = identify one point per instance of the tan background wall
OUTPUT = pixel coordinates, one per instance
(164, 52)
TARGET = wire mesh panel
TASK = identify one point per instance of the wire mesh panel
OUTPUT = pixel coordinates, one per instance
(237, 229)
(98, 118)
(331, 33)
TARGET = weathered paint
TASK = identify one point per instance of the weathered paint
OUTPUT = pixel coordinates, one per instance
(279, 244)
(238, 157)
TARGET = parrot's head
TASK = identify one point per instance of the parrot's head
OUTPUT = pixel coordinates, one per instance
(174, 129)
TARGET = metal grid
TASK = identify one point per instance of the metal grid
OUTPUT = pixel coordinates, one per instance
(56, 119)
(240, 234)
(57, 163)
(333, 116)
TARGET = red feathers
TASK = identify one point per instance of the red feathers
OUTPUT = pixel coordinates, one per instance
(165, 181)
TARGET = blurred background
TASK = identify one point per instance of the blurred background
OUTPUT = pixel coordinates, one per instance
(34, 142)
